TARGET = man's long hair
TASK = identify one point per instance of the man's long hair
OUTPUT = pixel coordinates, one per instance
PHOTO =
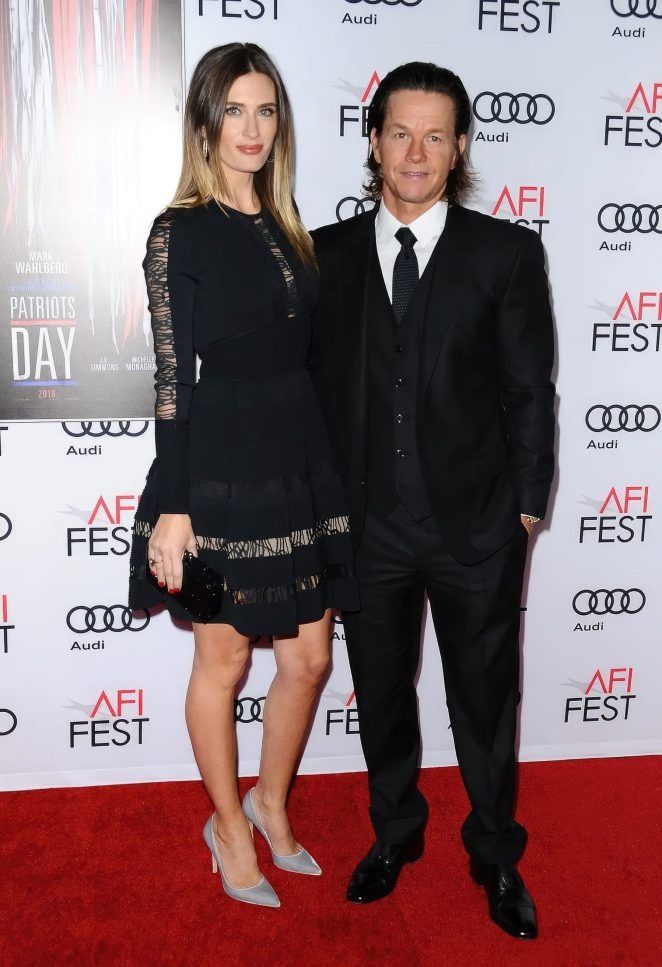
(420, 76)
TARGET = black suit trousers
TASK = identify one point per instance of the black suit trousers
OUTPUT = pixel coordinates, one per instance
(476, 613)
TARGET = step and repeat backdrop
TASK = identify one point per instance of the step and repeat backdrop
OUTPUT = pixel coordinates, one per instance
(567, 139)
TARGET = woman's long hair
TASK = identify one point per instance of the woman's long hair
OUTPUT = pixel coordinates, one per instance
(421, 76)
(202, 177)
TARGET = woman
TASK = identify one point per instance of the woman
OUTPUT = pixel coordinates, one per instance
(243, 475)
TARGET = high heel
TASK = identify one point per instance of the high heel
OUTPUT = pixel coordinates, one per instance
(299, 862)
(262, 894)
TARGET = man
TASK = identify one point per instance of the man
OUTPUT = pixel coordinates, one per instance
(433, 349)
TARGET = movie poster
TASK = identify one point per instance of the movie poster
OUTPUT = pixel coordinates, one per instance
(90, 148)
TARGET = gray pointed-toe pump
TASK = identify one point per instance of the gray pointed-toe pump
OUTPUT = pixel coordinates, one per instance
(262, 894)
(299, 862)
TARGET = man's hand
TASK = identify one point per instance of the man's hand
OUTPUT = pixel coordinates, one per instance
(528, 523)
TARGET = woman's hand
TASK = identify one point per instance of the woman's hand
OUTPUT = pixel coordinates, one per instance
(172, 536)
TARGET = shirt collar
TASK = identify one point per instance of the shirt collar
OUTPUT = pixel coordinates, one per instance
(427, 226)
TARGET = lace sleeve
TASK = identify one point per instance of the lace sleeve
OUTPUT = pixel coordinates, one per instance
(171, 288)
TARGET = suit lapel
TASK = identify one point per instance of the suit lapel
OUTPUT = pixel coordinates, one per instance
(356, 266)
(442, 305)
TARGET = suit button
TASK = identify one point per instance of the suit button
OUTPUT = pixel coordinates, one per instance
(363, 483)
(398, 348)
(402, 453)
(399, 381)
(400, 418)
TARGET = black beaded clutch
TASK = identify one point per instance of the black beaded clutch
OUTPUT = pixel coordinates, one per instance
(201, 592)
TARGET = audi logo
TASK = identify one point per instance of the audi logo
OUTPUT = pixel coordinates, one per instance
(630, 218)
(349, 206)
(388, 3)
(113, 428)
(520, 108)
(249, 709)
(629, 418)
(13, 721)
(636, 8)
(618, 601)
(5, 527)
(100, 618)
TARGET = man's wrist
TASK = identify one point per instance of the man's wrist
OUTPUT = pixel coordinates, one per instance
(530, 519)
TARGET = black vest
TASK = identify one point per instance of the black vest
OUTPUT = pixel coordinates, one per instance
(394, 467)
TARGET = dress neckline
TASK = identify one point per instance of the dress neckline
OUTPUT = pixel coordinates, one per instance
(236, 211)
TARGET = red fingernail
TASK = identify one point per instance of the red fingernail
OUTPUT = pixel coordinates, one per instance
(173, 590)
(161, 584)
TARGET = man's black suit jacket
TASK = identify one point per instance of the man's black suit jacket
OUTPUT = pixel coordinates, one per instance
(485, 400)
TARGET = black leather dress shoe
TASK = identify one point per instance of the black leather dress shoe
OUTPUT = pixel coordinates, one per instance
(376, 875)
(511, 905)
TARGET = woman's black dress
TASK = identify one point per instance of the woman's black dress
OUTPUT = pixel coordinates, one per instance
(244, 450)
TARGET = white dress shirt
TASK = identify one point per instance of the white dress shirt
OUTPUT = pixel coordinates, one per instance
(427, 228)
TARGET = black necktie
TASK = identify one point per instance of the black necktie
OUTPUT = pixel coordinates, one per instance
(405, 272)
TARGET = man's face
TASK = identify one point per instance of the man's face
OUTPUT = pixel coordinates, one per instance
(417, 148)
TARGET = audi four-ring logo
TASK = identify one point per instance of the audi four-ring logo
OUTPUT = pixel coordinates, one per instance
(8, 721)
(520, 108)
(629, 418)
(637, 8)
(249, 709)
(349, 206)
(630, 218)
(602, 601)
(100, 618)
(97, 428)
(5, 527)
(388, 3)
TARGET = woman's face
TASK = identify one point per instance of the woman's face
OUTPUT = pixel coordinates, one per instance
(250, 123)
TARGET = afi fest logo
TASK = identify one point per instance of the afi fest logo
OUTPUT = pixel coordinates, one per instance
(597, 604)
(43, 329)
(523, 205)
(345, 715)
(635, 324)
(640, 124)
(512, 16)
(105, 531)
(622, 517)
(606, 697)
(353, 118)
(116, 718)
(235, 9)
(5, 626)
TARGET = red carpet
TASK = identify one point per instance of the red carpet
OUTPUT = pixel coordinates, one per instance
(119, 876)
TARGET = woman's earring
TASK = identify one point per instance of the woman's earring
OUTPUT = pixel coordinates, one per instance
(205, 149)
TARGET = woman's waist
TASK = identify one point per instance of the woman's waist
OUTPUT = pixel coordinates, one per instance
(266, 388)
(257, 354)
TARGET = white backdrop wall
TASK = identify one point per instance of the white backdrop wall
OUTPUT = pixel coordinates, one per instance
(568, 98)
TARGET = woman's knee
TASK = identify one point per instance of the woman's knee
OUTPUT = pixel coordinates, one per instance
(223, 659)
(306, 667)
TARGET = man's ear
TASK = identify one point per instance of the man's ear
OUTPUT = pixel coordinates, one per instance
(461, 144)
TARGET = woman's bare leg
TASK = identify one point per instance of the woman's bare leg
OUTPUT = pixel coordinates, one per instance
(219, 662)
(301, 663)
